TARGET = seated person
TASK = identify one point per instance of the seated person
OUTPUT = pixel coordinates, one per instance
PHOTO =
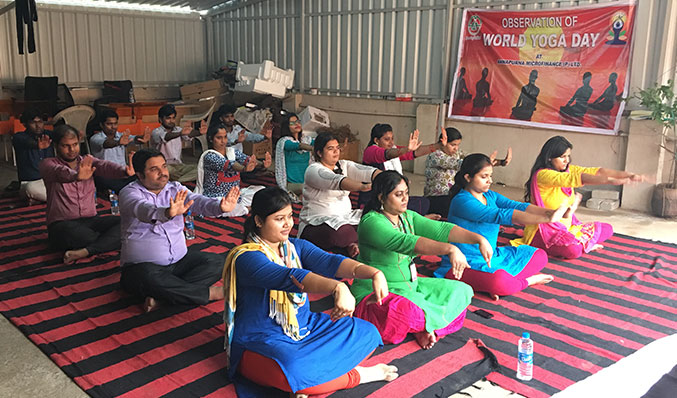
(72, 221)
(30, 147)
(272, 337)
(168, 139)
(292, 157)
(383, 154)
(327, 218)
(110, 144)
(151, 210)
(236, 134)
(440, 169)
(218, 171)
(478, 209)
(551, 185)
(390, 237)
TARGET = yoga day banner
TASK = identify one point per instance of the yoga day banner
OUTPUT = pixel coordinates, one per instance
(563, 68)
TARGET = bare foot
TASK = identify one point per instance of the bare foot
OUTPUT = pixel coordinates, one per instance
(597, 248)
(426, 340)
(150, 304)
(294, 395)
(353, 250)
(494, 297)
(379, 372)
(540, 279)
(216, 293)
(72, 256)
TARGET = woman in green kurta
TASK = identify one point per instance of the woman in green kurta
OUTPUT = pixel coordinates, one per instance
(390, 236)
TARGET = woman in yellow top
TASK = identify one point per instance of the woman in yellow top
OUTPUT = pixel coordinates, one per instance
(552, 184)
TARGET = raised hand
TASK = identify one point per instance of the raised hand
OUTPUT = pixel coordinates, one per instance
(187, 128)
(443, 138)
(146, 136)
(130, 167)
(508, 157)
(556, 215)
(44, 141)
(178, 204)
(492, 157)
(414, 143)
(267, 130)
(251, 163)
(229, 201)
(267, 161)
(86, 169)
(124, 139)
(203, 127)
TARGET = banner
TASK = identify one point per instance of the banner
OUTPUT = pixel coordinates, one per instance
(563, 68)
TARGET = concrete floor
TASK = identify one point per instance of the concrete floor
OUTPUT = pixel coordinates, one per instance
(25, 372)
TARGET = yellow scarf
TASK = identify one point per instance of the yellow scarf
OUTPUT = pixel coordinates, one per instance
(282, 305)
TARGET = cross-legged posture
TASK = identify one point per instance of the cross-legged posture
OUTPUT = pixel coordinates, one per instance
(390, 237)
(551, 185)
(156, 264)
(272, 337)
(30, 147)
(478, 209)
(72, 222)
(168, 139)
(327, 218)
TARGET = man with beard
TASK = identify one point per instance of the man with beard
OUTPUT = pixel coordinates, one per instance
(156, 264)
(30, 147)
(168, 139)
(72, 221)
(236, 133)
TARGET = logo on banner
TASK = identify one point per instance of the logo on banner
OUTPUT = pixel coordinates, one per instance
(474, 25)
(617, 32)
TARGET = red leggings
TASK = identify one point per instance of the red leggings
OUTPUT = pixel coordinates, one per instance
(266, 372)
(500, 282)
(572, 251)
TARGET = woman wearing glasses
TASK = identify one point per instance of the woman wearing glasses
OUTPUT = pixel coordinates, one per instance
(292, 156)
(327, 217)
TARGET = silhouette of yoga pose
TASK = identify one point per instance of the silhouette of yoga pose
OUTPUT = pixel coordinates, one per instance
(482, 95)
(462, 92)
(526, 103)
(581, 97)
(607, 100)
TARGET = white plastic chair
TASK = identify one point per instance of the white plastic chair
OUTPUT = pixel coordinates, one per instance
(77, 116)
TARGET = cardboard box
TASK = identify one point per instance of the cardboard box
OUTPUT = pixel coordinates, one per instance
(210, 88)
(128, 120)
(258, 149)
(351, 151)
(312, 119)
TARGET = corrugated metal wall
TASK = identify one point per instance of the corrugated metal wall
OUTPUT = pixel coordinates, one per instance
(355, 47)
(84, 46)
(381, 47)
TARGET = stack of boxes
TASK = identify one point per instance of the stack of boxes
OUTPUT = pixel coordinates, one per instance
(603, 199)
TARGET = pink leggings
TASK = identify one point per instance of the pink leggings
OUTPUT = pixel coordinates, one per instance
(501, 282)
(573, 251)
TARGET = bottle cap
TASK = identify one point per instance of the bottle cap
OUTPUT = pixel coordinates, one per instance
(188, 213)
(525, 335)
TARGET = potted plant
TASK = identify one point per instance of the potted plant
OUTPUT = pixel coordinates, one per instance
(662, 103)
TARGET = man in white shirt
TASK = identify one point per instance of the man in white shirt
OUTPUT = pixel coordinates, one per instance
(110, 144)
(168, 139)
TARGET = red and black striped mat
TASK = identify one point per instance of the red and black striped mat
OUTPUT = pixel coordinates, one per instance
(599, 309)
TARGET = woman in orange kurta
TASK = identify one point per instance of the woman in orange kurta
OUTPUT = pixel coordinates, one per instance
(552, 184)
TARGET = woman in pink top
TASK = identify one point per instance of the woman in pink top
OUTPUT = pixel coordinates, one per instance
(383, 154)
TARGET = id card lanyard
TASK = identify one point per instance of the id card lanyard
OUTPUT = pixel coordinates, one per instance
(404, 225)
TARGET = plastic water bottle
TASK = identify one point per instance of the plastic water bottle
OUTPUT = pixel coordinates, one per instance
(190, 226)
(131, 96)
(525, 357)
(114, 206)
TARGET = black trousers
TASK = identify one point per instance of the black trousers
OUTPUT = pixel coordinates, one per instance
(440, 204)
(96, 234)
(187, 281)
(104, 184)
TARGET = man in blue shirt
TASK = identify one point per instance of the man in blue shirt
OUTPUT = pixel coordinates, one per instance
(30, 147)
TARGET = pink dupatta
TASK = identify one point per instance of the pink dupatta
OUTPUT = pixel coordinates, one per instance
(556, 233)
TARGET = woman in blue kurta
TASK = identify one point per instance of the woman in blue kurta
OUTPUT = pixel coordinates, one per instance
(272, 337)
(476, 208)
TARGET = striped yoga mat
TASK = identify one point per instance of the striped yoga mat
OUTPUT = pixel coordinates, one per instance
(100, 337)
